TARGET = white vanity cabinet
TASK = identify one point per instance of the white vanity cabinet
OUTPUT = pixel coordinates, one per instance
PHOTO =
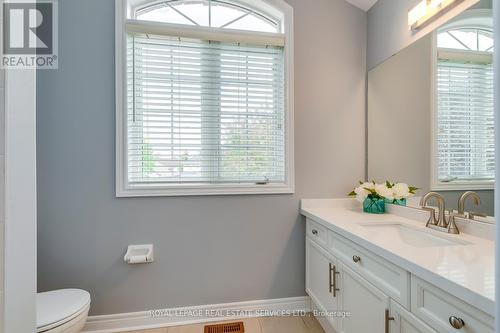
(367, 304)
(322, 276)
(380, 296)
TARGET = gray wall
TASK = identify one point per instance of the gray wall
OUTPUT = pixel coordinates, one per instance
(207, 249)
(388, 30)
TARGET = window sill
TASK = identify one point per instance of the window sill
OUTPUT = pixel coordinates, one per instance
(160, 190)
(463, 186)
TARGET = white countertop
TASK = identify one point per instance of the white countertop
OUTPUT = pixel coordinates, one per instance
(465, 271)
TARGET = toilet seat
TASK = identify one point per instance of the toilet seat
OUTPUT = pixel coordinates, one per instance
(55, 308)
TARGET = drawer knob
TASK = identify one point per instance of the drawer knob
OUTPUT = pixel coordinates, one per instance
(356, 258)
(456, 322)
(315, 232)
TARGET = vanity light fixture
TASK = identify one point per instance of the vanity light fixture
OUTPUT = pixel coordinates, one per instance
(425, 10)
(417, 12)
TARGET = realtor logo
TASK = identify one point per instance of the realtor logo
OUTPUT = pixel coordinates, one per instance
(29, 34)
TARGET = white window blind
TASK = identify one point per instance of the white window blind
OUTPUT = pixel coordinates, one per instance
(202, 112)
(465, 120)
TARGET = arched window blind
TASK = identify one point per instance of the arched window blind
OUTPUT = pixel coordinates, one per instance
(466, 127)
(204, 112)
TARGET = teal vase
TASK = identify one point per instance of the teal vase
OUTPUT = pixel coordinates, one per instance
(374, 206)
(399, 202)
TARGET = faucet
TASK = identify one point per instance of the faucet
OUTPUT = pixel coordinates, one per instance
(441, 224)
(441, 220)
(463, 198)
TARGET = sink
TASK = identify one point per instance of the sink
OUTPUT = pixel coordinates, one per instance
(411, 236)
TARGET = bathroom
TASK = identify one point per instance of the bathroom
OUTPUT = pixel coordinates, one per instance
(139, 198)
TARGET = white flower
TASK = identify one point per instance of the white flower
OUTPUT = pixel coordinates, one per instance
(368, 185)
(384, 191)
(401, 191)
(361, 193)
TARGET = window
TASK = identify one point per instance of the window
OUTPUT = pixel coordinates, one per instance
(465, 128)
(214, 13)
(204, 99)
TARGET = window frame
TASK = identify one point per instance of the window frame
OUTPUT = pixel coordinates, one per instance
(125, 189)
(436, 184)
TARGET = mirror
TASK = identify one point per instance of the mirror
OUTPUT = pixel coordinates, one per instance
(430, 112)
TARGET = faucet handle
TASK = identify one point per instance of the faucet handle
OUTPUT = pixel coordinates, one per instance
(452, 226)
(432, 216)
(473, 215)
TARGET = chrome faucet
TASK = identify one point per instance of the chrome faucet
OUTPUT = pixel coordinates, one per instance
(441, 223)
(463, 198)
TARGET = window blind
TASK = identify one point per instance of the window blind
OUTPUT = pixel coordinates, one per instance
(204, 111)
(465, 120)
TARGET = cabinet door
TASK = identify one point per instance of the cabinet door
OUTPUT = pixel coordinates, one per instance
(436, 307)
(367, 305)
(320, 275)
(403, 321)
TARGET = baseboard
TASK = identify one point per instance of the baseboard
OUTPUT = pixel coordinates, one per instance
(195, 314)
(323, 321)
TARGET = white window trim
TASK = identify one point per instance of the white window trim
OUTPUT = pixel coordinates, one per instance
(436, 184)
(125, 189)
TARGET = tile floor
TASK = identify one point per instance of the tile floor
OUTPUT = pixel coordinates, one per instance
(306, 324)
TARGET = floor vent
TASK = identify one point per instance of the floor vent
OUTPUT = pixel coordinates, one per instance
(225, 328)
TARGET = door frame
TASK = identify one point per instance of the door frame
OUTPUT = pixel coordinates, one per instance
(20, 202)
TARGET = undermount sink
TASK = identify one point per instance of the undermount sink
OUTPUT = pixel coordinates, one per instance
(411, 236)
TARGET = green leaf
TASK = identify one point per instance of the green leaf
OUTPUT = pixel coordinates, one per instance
(372, 192)
(352, 194)
(389, 185)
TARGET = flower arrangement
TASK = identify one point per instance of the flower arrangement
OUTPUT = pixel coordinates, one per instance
(374, 196)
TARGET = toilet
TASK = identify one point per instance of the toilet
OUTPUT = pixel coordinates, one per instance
(62, 311)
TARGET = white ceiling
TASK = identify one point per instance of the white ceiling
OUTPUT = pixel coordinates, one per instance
(363, 4)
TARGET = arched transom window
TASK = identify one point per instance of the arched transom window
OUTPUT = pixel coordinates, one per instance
(209, 13)
(467, 39)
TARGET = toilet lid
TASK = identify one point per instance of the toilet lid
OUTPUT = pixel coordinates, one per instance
(59, 306)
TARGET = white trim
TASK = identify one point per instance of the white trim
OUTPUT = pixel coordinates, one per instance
(433, 109)
(124, 189)
(205, 33)
(496, 25)
(20, 201)
(120, 88)
(463, 186)
(193, 190)
(477, 57)
(202, 314)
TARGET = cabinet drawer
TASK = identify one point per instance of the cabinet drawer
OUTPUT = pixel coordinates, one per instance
(392, 280)
(317, 232)
(435, 307)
